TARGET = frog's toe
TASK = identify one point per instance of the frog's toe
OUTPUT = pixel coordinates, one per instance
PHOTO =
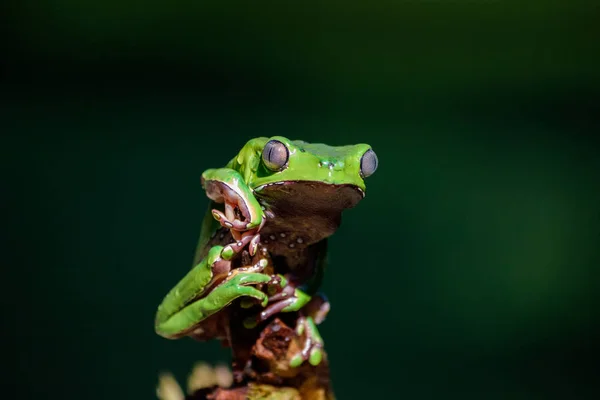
(316, 356)
(249, 278)
(276, 286)
(229, 223)
(252, 293)
(234, 248)
(312, 351)
(282, 297)
(240, 285)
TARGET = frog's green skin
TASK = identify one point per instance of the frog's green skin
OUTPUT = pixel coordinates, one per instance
(289, 208)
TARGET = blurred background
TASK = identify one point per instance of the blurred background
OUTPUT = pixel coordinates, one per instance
(465, 273)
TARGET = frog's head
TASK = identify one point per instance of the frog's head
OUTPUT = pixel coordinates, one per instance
(306, 184)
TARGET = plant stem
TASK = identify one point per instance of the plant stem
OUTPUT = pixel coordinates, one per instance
(261, 369)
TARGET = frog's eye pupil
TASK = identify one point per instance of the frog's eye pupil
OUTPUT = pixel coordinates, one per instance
(368, 163)
(275, 155)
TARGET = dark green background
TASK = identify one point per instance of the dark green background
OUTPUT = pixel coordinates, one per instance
(465, 273)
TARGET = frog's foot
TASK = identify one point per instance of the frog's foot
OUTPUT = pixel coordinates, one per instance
(287, 299)
(234, 248)
(239, 284)
(274, 285)
(242, 211)
(313, 343)
(291, 299)
(227, 220)
(220, 261)
(238, 230)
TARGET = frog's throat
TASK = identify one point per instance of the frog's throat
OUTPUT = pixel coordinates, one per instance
(307, 196)
(315, 184)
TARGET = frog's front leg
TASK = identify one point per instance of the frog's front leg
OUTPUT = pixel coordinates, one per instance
(243, 213)
(196, 297)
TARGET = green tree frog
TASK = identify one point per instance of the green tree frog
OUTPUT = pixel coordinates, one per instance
(280, 199)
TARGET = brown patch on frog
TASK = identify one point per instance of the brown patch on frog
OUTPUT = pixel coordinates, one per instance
(307, 210)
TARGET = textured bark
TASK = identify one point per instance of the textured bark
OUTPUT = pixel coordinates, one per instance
(261, 368)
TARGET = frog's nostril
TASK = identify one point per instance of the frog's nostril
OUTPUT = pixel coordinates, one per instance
(339, 166)
(332, 165)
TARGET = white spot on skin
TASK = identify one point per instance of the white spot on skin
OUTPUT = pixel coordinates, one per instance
(300, 240)
(282, 234)
(272, 237)
(292, 245)
(266, 242)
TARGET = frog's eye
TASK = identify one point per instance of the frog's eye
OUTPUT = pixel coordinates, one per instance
(275, 155)
(368, 163)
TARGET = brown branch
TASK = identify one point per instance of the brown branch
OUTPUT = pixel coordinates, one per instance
(261, 367)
